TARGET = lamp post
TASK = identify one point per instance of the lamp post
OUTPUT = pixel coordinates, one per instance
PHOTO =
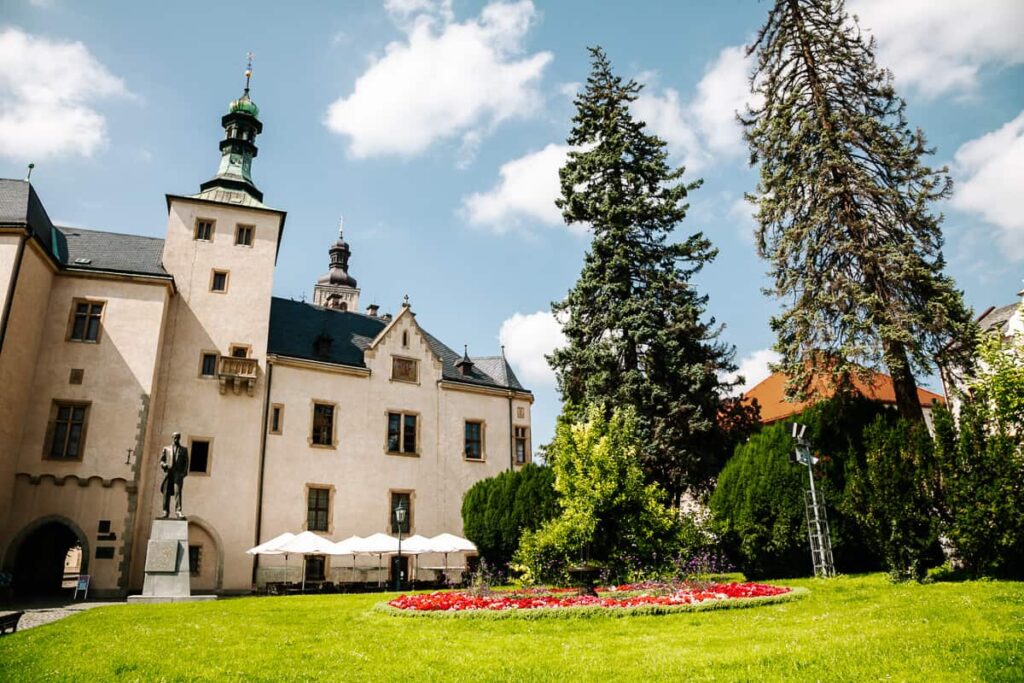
(400, 518)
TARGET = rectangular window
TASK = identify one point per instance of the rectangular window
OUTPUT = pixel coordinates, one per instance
(208, 365)
(404, 500)
(243, 235)
(401, 433)
(85, 321)
(105, 552)
(276, 418)
(318, 508)
(219, 281)
(67, 430)
(204, 229)
(474, 440)
(520, 435)
(199, 456)
(239, 351)
(195, 559)
(77, 376)
(404, 369)
(323, 425)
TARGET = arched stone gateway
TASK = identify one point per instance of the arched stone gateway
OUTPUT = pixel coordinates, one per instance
(36, 555)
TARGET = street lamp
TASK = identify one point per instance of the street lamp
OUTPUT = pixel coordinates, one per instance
(400, 519)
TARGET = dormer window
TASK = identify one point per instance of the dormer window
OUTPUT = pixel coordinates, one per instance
(322, 346)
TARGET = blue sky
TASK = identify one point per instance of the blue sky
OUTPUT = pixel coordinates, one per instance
(436, 129)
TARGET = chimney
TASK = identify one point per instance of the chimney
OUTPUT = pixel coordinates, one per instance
(372, 309)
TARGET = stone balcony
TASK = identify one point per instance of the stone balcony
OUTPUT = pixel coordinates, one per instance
(237, 373)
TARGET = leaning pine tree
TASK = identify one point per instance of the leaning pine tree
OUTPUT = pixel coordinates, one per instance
(844, 209)
(633, 320)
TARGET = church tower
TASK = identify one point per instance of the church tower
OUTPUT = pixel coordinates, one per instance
(337, 289)
(238, 148)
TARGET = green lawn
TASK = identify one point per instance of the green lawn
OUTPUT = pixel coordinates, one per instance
(851, 628)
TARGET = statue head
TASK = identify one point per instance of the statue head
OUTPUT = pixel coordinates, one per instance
(176, 438)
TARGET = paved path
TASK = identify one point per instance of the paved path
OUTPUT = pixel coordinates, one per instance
(37, 614)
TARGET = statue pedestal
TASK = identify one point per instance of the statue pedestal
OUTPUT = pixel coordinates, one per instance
(167, 573)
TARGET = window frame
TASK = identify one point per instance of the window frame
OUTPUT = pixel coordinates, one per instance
(483, 439)
(214, 272)
(239, 227)
(328, 513)
(279, 407)
(403, 416)
(312, 424)
(410, 520)
(525, 438)
(245, 347)
(209, 455)
(216, 361)
(195, 229)
(416, 369)
(87, 301)
(51, 430)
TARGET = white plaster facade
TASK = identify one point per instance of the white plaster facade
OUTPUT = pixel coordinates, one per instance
(143, 379)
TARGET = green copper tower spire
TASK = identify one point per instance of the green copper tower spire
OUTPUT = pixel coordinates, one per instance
(238, 148)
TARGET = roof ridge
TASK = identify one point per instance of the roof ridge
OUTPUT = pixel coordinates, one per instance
(71, 228)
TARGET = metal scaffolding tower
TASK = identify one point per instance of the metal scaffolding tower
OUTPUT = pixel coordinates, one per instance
(817, 522)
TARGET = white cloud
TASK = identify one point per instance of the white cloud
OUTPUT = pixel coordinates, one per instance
(990, 171)
(527, 190)
(753, 368)
(705, 129)
(47, 92)
(443, 81)
(527, 339)
(743, 214)
(937, 47)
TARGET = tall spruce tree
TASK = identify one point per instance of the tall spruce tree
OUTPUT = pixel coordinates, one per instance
(633, 320)
(845, 208)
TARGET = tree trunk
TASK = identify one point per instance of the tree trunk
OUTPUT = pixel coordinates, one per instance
(903, 383)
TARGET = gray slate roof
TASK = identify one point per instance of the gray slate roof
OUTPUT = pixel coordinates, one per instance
(113, 251)
(109, 251)
(997, 318)
(296, 329)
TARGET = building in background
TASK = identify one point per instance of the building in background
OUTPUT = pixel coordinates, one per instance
(297, 415)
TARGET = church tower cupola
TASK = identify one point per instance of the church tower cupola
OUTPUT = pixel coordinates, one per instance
(337, 289)
(238, 148)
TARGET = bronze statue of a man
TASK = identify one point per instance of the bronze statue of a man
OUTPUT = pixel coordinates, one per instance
(174, 463)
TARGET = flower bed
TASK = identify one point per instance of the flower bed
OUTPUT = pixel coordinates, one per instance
(646, 598)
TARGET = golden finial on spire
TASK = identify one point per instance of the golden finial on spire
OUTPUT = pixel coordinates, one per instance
(248, 69)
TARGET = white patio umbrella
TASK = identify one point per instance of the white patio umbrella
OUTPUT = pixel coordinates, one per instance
(348, 547)
(450, 543)
(307, 543)
(416, 545)
(270, 548)
(378, 544)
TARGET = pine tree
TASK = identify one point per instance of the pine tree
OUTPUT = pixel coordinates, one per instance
(844, 208)
(633, 320)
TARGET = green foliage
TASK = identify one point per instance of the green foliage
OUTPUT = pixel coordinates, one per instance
(610, 516)
(758, 503)
(1000, 380)
(496, 511)
(845, 208)
(979, 484)
(633, 320)
(890, 497)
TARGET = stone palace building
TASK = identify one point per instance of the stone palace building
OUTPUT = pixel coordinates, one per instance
(297, 415)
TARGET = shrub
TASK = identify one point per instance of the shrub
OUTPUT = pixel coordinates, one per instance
(890, 497)
(758, 507)
(979, 484)
(496, 511)
(609, 516)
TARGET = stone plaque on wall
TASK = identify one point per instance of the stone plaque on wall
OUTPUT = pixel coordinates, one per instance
(162, 556)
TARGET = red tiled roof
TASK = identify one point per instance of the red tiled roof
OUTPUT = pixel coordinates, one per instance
(771, 392)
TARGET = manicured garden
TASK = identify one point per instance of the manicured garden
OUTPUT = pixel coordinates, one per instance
(850, 628)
